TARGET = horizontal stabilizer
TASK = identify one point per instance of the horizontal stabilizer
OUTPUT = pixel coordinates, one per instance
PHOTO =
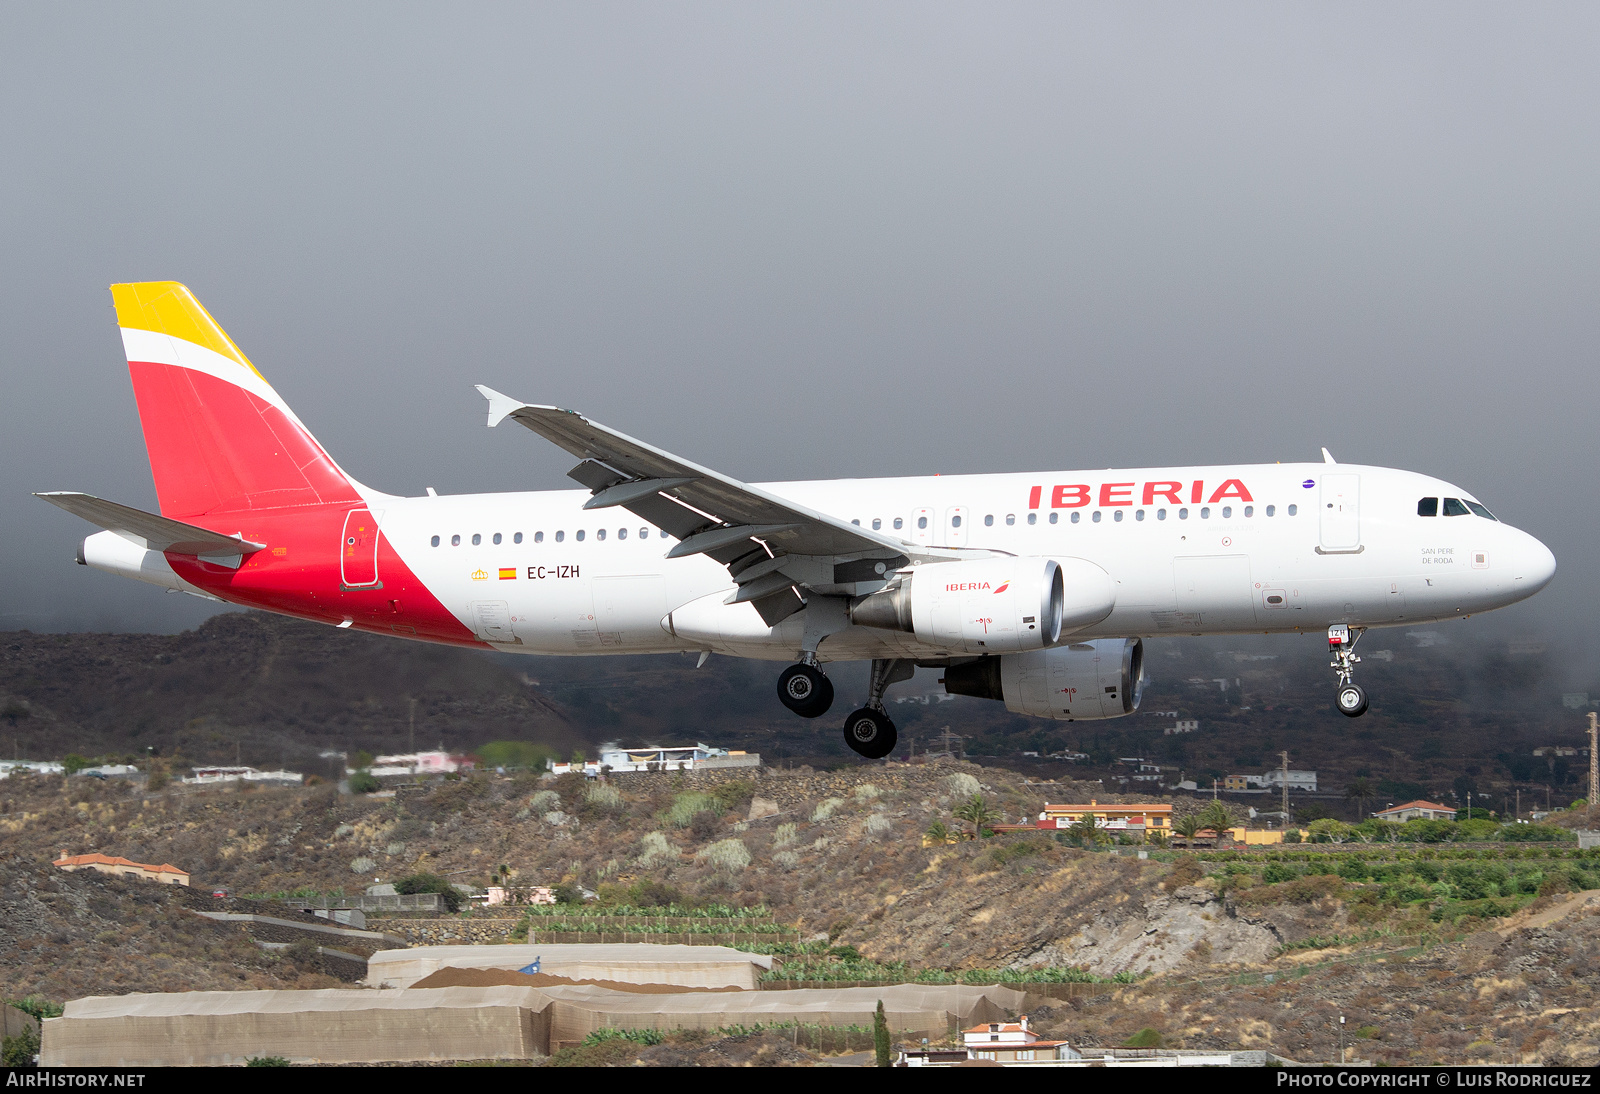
(148, 530)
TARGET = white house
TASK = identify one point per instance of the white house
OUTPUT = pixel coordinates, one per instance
(1182, 725)
(652, 758)
(1012, 1042)
(1298, 780)
(437, 762)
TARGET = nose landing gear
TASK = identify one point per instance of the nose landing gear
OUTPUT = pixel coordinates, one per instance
(1350, 698)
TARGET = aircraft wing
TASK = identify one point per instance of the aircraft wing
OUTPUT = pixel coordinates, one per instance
(148, 530)
(771, 546)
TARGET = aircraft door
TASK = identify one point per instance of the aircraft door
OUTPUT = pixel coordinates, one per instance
(955, 526)
(491, 621)
(922, 528)
(1341, 513)
(358, 550)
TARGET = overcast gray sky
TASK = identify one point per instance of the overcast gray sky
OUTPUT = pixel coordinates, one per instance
(811, 240)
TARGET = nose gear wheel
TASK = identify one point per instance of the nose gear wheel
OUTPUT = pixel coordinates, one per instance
(1350, 698)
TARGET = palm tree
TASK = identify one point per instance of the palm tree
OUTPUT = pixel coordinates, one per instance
(1360, 792)
(1085, 832)
(1188, 826)
(976, 812)
(1215, 816)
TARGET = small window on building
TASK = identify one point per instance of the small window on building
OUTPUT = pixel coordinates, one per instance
(435, 541)
(1054, 517)
(1454, 508)
(517, 538)
(1428, 507)
(455, 541)
(477, 539)
(988, 520)
(1033, 518)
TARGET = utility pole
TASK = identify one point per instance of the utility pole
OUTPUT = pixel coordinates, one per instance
(1341, 1040)
(1594, 764)
(413, 719)
(1285, 756)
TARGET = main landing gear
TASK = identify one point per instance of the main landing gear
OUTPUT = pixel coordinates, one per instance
(804, 689)
(1351, 698)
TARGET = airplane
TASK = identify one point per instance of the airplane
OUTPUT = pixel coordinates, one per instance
(1034, 589)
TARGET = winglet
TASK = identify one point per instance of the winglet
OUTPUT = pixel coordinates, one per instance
(501, 406)
(1327, 457)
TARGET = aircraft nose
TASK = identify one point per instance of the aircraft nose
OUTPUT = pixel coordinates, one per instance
(1536, 566)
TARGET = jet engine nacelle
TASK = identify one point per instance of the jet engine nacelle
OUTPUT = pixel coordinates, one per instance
(991, 605)
(1080, 682)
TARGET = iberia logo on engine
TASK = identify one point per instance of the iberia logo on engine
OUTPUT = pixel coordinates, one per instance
(970, 587)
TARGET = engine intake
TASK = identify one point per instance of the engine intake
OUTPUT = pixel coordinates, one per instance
(1080, 682)
(991, 605)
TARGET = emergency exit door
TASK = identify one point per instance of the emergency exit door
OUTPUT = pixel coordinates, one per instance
(358, 550)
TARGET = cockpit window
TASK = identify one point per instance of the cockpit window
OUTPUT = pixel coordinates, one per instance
(1454, 508)
(1428, 507)
(1480, 510)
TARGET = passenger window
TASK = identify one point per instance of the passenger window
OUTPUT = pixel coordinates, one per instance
(560, 536)
(1428, 507)
(578, 535)
(1139, 515)
(1205, 513)
(1096, 517)
(1294, 509)
(922, 522)
(876, 524)
(1480, 510)
(497, 539)
(477, 540)
(1183, 514)
(988, 520)
(1249, 510)
(1033, 518)
(1075, 515)
(1161, 514)
(538, 537)
(1054, 517)
(517, 538)
(455, 541)
(435, 541)
(1272, 510)
(1227, 511)
(857, 523)
(1117, 516)
(1011, 518)
(644, 533)
(622, 533)
(898, 523)
(600, 533)
(1454, 508)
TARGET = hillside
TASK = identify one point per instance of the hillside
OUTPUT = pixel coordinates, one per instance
(840, 856)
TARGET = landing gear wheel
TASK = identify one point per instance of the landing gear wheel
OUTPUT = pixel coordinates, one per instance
(869, 733)
(806, 690)
(1351, 700)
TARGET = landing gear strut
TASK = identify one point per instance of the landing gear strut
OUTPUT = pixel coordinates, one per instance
(1350, 698)
(868, 731)
(805, 689)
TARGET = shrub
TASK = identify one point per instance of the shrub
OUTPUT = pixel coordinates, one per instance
(785, 835)
(157, 781)
(362, 865)
(544, 801)
(684, 807)
(654, 848)
(637, 1036)
(1277, 871)
(727, 854)
(568, 892)
(266, 1061)
(704, 826)
(1186, 871)
(449, 895)
(825, 809)
(879, 825)
(867, 792)
(786, 860)
(394, 849)
(514, 755)
(1145, 1038)
(364, 782)
(1534, 833)
(938, 832)
(961, 785)
(604, 797)
(734, 794)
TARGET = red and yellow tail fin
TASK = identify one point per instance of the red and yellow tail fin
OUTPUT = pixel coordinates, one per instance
(219, 438)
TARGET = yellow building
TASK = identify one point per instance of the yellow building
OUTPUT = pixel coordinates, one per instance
(166, 873)
(1138, 818)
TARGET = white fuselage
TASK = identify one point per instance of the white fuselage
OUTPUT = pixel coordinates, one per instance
(1283, 547)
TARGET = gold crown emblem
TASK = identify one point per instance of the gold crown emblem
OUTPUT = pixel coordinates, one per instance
(480, 575)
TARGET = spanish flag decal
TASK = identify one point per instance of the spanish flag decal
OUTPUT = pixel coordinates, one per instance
(508, 573)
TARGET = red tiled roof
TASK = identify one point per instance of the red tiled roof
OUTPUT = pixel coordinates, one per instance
(1419, 805)
(98, 859)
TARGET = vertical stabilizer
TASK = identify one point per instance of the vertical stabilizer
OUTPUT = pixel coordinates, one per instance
(219, 438)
